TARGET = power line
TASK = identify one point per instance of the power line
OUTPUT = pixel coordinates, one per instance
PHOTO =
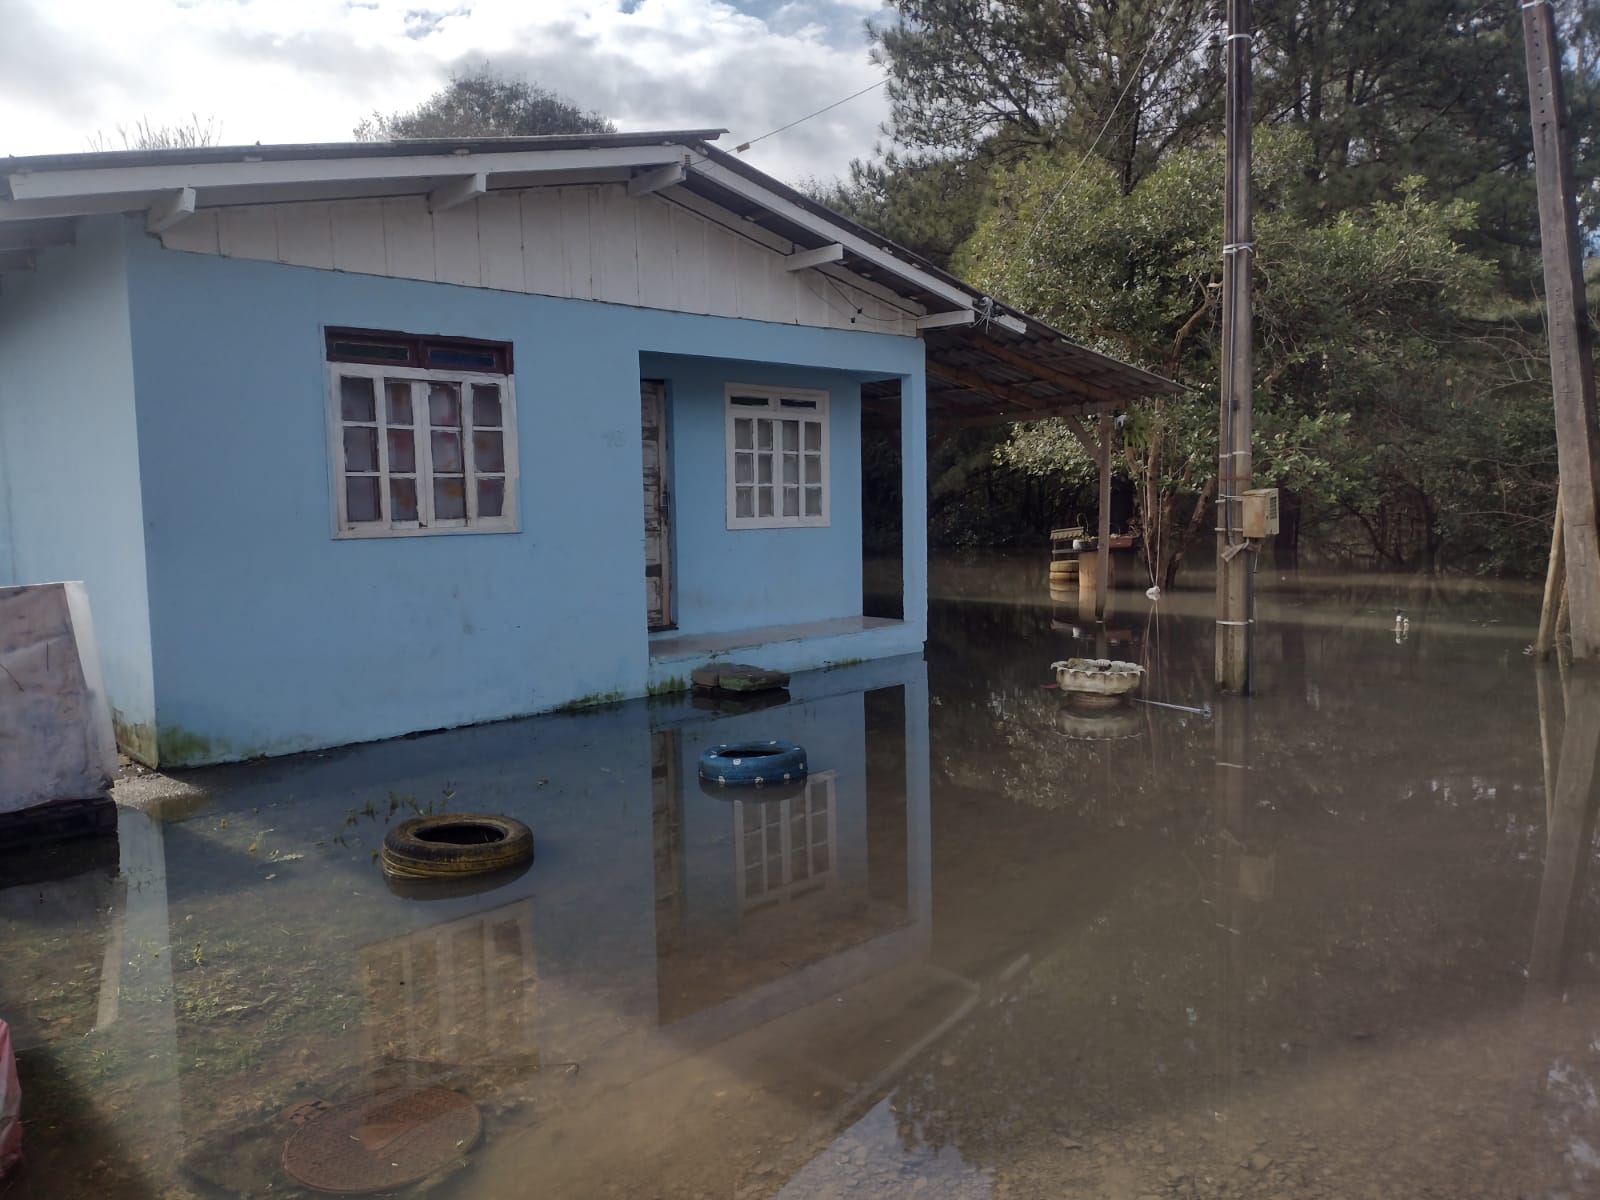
(743, 146)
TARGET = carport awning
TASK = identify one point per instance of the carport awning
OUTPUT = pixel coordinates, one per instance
(992, 375)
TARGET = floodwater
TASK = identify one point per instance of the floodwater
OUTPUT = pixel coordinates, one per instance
(1336, 941)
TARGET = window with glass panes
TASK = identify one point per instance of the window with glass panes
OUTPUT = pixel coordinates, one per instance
(777, 462)
(424, 435)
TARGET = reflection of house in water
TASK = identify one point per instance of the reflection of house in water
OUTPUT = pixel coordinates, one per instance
(459, 992)
(752, 892)
(663, 935)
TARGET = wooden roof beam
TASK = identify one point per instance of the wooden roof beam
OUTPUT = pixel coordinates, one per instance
(654, 181)
(803, 260)
(1091, 446)
(944, 320)
(457, 192)
(172, 209)
(964, 421)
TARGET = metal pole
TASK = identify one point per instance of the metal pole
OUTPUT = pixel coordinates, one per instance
(1234, 460)
(1571, 342)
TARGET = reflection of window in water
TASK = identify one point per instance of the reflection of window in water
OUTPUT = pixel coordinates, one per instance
(784, 848)
(458, 992)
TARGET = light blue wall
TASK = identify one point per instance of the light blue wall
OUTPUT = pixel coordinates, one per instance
(69, 454)
(806, 574)
(270, 636)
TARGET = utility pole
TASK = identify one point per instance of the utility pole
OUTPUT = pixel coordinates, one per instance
(1571, 344)
(1234, 557)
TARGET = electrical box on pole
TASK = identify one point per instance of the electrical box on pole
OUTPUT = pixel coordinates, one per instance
(1260, 513)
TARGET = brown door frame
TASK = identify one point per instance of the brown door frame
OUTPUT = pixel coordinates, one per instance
(654, 391)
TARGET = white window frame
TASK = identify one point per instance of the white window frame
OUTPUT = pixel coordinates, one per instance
(786, 888)
(774, 411)
(425, 525)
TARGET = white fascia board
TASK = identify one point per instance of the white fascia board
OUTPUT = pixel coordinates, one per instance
(823, 228)
(457, 192)
(172, 209)
(86, 182)
(803, 259)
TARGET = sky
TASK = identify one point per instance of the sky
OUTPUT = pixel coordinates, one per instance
(309, 70)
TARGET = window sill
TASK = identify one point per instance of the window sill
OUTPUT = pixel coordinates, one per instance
(366, 535)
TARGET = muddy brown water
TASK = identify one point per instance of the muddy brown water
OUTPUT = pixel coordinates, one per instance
(1335, 941)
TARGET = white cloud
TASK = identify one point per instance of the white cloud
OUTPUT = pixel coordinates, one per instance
(308, 70)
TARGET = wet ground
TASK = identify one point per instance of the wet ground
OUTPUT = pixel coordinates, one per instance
(1335, 941)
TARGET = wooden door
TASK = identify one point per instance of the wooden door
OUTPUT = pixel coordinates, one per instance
(657, 514)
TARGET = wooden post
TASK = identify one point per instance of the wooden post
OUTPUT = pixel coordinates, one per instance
(1571, 348)
(1102, 566)
(1548, 692)
(1568, 835)
(1233, 458)
(1554, 580)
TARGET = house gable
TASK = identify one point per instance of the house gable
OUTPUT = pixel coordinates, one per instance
(590, 242)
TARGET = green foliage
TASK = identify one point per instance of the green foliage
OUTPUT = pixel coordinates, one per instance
(1366, 337)
(1401, 391)
(1384, 90)
(482, 103)
(927, 204)
(999, 80)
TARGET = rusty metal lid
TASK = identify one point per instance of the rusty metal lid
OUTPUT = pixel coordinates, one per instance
(381, 1142)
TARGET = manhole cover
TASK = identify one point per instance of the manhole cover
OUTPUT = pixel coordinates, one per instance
(382, 1142)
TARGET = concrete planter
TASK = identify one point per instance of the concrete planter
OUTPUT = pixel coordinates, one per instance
(1097, 682)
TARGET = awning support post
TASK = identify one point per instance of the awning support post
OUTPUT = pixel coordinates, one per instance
(1102, 566)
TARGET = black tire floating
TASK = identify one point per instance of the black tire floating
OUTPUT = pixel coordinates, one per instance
(451, 845)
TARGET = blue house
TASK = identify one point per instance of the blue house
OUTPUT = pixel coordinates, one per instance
(350, 441)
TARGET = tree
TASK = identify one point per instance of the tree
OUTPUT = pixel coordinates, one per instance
(1385, 90)
(1365, 334)
(996, 80)
(928, 204)
(482, 103)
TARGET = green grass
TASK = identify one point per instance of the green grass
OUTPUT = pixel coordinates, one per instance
(592, 700)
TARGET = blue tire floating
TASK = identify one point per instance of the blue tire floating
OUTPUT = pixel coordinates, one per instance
(753, 764)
